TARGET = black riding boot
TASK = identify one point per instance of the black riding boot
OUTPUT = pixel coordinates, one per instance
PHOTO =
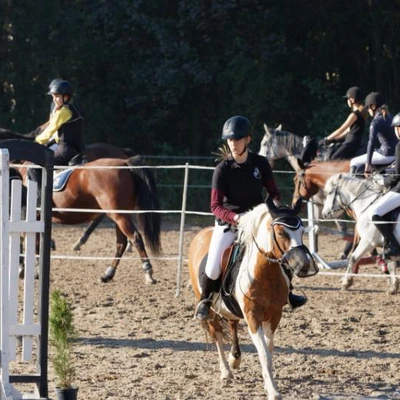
(392, 247)
(208, 286)
(296, 301)
(35, 174)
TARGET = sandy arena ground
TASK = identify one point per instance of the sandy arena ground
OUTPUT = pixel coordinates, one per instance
(141, 342)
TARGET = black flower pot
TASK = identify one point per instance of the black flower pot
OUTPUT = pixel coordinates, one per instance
(67, 394)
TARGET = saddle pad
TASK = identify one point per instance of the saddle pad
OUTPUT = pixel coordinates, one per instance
(61, 179)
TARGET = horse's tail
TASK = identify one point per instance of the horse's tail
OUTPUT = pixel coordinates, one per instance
(147, 199)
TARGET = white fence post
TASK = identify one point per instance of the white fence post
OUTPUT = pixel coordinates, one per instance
(181, 233)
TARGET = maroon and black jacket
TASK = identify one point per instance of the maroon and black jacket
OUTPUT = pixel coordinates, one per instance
(237, 188)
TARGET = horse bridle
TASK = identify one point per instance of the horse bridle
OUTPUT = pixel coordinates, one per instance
(300, 182)
(281, 220)
(346, 207)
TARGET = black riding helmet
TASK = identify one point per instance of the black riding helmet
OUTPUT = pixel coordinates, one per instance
(396, 120)
(237, 127)
(374, 98)
(61, 87)
(54, 82)
(355, 93)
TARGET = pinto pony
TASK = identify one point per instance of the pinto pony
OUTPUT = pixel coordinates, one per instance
(272, 241)
(113, 189)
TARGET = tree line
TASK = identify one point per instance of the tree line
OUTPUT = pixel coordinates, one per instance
(162, 76)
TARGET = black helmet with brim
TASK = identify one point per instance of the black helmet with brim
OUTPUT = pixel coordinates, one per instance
(237, 127)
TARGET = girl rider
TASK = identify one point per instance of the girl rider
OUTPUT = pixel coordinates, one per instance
(66, 124)
(237, 186)
(351, 131)
(65, 127)
(389, 202)
(382, 139)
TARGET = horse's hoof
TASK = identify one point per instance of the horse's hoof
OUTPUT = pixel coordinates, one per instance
(347, 283)
(148, 278)
(393, 287)
(77, 246)
(108, 275)
(21, 272)
(392, 290)
(129, 247)
(226, 376)
(234, 363)
(53, 244)
(148, 273)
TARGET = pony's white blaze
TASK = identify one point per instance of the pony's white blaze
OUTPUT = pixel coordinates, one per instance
(296, 236)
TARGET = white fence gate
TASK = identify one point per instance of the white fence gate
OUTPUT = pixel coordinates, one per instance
(23, 303)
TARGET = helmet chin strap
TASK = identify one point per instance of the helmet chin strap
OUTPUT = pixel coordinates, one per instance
(244, 150)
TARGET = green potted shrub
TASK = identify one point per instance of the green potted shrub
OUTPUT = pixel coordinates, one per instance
(62, 335)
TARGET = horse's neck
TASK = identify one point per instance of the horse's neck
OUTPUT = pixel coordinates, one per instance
(358, 201)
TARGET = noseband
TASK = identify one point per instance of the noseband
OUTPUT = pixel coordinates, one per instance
(300, 182)
(292, 222)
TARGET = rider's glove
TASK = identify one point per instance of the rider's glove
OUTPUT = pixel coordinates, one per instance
(324, 142)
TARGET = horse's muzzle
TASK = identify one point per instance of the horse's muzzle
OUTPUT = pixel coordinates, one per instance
(300, 261)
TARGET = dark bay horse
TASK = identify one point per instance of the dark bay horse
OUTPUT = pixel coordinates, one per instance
(113, 189)
(93, 151)
(272, 239)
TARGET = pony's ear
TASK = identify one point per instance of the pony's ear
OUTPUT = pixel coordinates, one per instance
(279, 127)
(267, 132)
(298, 205)
(272, 208)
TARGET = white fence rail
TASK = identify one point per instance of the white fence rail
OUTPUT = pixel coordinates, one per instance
(19, 320)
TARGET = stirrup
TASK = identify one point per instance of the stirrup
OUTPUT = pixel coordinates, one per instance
(203, 309)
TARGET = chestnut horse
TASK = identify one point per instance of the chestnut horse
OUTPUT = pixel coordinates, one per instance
(113, 189)
(272, 241)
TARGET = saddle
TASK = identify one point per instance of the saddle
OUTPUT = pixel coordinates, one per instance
(61, 178)
(80, 158)
(230, 263)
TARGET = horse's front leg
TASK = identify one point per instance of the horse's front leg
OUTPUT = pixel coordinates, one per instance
(235, 355)
(89, 230)
(259, 339)
(121, 246)
(393, 281)
(215, 329)
(363, 247)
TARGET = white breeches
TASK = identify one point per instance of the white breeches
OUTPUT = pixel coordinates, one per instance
(377, 159)
(387, 203)
(220, 241)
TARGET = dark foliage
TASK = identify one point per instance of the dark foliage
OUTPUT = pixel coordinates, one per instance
(162, 76)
